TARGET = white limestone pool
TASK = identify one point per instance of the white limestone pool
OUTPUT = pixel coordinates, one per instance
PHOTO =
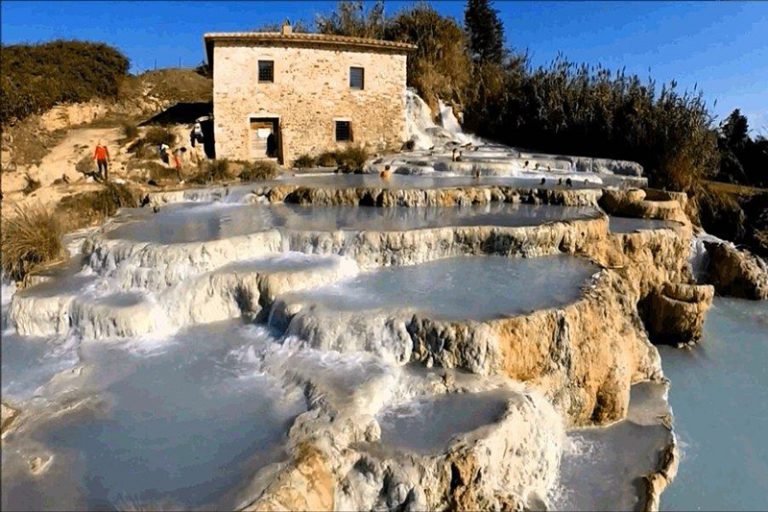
(461, 288)
(198, 222)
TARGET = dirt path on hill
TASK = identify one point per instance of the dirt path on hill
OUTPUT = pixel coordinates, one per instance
(59, 162)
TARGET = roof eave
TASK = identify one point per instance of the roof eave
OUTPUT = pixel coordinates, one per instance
(302, 39)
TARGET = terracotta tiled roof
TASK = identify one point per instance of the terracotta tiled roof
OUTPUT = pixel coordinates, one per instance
(333, 40)
(305, 38)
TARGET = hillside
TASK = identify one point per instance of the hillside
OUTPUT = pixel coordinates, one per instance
(40, 153)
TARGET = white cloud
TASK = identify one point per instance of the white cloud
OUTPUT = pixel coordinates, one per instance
(758, 123)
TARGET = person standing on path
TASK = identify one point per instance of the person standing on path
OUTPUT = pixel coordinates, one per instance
(164, 148)
(178, 157)
(101, 155)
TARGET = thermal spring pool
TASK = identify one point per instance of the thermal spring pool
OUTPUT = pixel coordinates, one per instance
(205, 355)
(180, 424)
(719, 395)
(631, 225)
(199, 222)
(604, 468)
(461, 288)
(428, 425)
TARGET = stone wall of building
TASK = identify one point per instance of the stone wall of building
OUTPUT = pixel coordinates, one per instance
(310, 92)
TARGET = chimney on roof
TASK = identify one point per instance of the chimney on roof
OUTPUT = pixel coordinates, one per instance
(286, 28)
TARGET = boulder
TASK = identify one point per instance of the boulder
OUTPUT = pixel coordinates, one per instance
(8, 414)
(675, 313)
(646, 204)
(735, 272)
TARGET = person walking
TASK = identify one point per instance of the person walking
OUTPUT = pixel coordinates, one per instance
(196, 140)
(101, 155)
(178, 158)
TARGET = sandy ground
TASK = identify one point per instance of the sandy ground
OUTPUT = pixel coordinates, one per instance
(59, 162)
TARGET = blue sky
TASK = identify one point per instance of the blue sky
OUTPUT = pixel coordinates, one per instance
(720, 47)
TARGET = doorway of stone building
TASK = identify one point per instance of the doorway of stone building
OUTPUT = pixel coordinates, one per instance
(265, 140)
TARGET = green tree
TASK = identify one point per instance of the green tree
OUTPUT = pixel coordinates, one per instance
(735, 130)
(351, 19)
(440, 67)
(485, 31)
(34, 77)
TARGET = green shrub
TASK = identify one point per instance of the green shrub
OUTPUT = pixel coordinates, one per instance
(37, 76)
(30, 238)
(304, 162)
(158, 135)
(258, 170)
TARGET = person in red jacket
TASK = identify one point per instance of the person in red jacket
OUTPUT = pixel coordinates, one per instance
(101, 155)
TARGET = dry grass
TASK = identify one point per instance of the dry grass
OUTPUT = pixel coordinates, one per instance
(88, 208)
(733, 188)
(31, 143)
(30, 238)
(259, 170)
(130, 131)
(327, 159)
(156, 170)
(213, 171)
(31, 186)
(352, 159)
(158, 135)
(86, 165)
(179, 85)
(304, 162)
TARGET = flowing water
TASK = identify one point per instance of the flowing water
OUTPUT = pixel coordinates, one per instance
(719, 395)
(187, 416)
(181, 423)
(407, 181)
(603, 468)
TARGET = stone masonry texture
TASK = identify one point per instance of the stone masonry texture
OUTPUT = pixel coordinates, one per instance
(309, 93)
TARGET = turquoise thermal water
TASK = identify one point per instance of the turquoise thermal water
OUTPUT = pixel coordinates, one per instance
(183, 425)
(190, 222)
(466, 287)
(630, 225)
(719, 396)
(428, 425)
(603, 468)
(406, 181)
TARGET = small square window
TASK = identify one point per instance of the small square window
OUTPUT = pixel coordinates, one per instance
(357, 78)
(343, 131)
(266, 71)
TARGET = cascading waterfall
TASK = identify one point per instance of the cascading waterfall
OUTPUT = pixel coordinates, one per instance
(226, 345)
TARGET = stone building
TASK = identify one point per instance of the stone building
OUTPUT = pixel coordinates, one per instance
(283, 95)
